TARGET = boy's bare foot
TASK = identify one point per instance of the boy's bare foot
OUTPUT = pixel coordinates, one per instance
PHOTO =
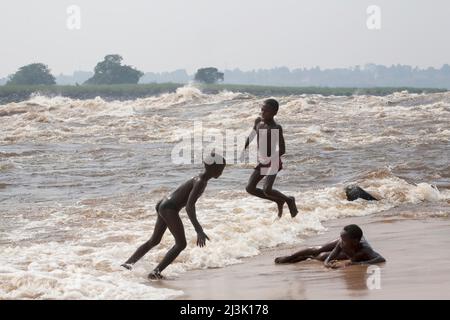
(280, 260)
(292, 206)
(155, 275)
(280, 206)
(127, 266)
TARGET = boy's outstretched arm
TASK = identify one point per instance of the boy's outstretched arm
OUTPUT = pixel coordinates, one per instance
(252, 134)
(333, 255)
(311, 252)
(196, 192)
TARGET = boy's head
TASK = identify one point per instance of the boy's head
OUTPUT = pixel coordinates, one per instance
(269, 109)
(214, 164)
(351, 235)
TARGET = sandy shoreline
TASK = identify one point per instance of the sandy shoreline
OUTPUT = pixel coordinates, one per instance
(417, 267)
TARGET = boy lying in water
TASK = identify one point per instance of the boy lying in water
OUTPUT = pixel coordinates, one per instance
(351, 246)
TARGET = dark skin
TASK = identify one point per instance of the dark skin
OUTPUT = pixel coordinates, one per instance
(266, 121)
(186, 196)
(357, 251)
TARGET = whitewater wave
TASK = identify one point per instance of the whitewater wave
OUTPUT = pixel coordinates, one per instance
(80, 179)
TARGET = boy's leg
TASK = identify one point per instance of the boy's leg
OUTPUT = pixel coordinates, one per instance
(158, 232)
(175, 225)
(277, 196)
(253, 181)
(272, 193)
(251, 188)
(308, 253)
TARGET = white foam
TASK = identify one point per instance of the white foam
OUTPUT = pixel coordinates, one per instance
(61, 271)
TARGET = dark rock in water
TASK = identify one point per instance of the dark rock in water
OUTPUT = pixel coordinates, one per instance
(355, 192)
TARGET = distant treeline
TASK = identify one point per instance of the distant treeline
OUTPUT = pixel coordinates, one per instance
(370, 75)
(18, 93)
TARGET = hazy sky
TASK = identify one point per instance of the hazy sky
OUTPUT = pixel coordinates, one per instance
(163, 35)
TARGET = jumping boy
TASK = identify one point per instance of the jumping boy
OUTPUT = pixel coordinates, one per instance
(168, 216)
(269, 157)
(351, 246)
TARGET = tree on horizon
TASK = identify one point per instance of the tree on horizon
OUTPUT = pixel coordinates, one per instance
(111, 71)
(32, 74)
(208, 75)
